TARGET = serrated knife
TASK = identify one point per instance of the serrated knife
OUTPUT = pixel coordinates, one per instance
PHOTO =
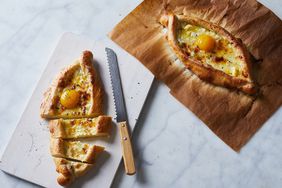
(121, 116)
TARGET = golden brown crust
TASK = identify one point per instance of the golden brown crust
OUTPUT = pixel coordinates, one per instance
(68, 149)
(93, 153)
(104, 125)
(56, 128)
(64, 180)
(46, 103)
(69, 170)
(207, 73)
(57, 148)
(97, 92)
(80, 128)
(50, 100)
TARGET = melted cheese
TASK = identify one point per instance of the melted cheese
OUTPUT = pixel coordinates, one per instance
(81, 83)
(225, 57)
(76, 150)
(80, 127)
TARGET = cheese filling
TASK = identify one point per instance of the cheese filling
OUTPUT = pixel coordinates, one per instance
(80, 83)
(76, 150)
(224, 57)
(80, 127)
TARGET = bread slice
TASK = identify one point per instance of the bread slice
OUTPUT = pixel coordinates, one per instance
(70, 170)
(74, 150)
(76, 93)
(80, 128)
(210, 52)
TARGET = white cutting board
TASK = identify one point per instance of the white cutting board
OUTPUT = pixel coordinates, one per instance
(27, 155)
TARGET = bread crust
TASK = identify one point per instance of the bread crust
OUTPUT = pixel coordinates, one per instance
(59, 148)
(97, 91)
(104, 124)
(206, 73)
(99, 126)
(93, 153)
(56, 128)
(69, 170)
(96, 96)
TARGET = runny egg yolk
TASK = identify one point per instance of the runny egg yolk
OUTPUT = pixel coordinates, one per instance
(205, 42)
(70, 98)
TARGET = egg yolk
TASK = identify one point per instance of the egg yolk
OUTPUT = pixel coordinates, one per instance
(205, 42)
(70, 98)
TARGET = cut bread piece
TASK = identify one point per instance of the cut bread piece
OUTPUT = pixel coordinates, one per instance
(76, 93)
(80, 128)
(210, 52)
(70, 170)
(74, 150)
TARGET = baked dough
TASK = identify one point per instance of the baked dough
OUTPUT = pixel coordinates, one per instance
(210, 52)
(74, 150)
(76, 93)
(80, 128)
(70, 170)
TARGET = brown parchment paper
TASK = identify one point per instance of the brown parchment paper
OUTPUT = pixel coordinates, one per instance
(231, 115)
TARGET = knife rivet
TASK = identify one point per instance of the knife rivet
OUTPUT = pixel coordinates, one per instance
(123, 125)
(124, 138)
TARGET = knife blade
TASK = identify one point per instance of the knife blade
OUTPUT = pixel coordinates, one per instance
(121, 116)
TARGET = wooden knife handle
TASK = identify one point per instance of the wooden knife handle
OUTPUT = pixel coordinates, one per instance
(127, 153)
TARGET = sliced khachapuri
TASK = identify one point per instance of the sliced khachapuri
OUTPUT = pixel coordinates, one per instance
(74, 150)
(80, 128)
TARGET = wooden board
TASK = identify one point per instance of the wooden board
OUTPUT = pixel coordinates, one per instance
(27, 155)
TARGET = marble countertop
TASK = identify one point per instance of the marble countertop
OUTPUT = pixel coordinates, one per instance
(172, 147)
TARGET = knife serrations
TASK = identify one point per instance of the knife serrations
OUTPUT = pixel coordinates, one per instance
(116, 85)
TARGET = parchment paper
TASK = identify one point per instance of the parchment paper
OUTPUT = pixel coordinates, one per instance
(231, 115)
